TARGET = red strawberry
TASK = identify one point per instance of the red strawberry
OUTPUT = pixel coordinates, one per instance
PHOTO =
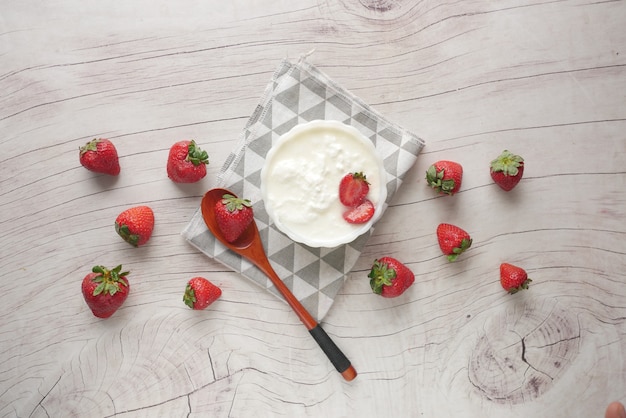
(100, 155)
(105, 290)
(353, 189)
(452, 240)
(507, 170)
(186, 162)
(200, 293)
(135, 225)
(360, 214)
(513, 278)
(233, 215)
(445, 177)
(389, 277)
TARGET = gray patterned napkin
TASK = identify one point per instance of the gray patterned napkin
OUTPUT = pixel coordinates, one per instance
(300, 93)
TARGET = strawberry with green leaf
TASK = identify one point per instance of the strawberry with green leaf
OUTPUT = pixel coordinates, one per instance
(200, 293)
(453, 240)
(233, 215)
(135, 225)
(390, 277)
(445, 177)
(100, 155)
(186, 162)
(513, 278)
(507, 170)
(105, 290)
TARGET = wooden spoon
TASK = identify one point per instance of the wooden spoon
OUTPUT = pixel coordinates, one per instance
(250, 246)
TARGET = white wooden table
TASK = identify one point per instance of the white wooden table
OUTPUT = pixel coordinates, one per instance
(545, 79)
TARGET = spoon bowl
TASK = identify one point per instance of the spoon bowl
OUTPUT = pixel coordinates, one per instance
(250, 246)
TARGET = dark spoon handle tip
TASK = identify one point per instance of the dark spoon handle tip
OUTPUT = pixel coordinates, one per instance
(334, 354)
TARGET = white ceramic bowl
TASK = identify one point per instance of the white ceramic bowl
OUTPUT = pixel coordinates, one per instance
(300, 182)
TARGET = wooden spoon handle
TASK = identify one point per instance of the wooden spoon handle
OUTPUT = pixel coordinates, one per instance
(334, 354)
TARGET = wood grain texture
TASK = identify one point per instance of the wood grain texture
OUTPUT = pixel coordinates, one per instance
(545, 79)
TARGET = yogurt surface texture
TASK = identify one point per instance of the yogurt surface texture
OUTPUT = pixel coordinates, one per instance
(301, 176)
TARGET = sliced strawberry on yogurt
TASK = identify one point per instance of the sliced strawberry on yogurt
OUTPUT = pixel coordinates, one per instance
(361, 213)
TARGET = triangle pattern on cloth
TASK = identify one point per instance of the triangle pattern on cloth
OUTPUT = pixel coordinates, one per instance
(282, 113)
(287, 125)
(368, 125)
(289, 99)
(324, 303)
(316, 112)
(285, 257)
(311, 304)
(309, 99)
(303, 257)
(266, 120)
(343, 107)
(332, 288)
(311, 274)
(329, 274)
(336, 258)
(261, 145)
(299, 92)
(301, 289)
(314, 87)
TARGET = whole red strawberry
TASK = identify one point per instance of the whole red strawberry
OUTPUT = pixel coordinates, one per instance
(135, 225)
(186, 162)
(361, 213)
(389, 277)
(445, 177)
(513, 278)
(200, 293)
(353, 188)
(233, 215)
(105, 290)
(100, 155)
(507, 170)
(453, 240)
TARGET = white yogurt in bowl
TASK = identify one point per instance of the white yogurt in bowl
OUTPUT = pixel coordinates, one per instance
(300, 182)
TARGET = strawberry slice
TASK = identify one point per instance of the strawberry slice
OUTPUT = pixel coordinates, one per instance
(353, 189)
(361, 213)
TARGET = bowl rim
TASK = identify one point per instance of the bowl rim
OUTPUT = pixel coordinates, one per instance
(354, 133)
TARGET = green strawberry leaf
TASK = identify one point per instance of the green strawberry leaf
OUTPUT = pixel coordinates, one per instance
(507, 163)
(124, 232)
(380, 275)
(235, 203)
(189, 297)
(109, 281)
(196, 155)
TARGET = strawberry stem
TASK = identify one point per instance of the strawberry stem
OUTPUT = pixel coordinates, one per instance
(90, 146)
(465, 244)
(235, 203)
(507, 163)
(522, 286)
(436, 181)
(380, 275)
(108, 280)
(124, 232)
(190, 296)
(196, 155)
